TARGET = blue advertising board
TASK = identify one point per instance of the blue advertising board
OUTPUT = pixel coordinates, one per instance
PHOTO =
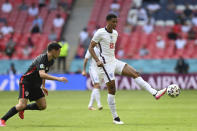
(75, 82)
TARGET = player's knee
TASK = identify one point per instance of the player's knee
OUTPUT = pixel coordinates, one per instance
(21, 107)
(96, 86)
(112, 90)
(136, 74)
(43, 107)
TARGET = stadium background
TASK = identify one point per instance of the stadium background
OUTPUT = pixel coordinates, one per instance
(142, 23)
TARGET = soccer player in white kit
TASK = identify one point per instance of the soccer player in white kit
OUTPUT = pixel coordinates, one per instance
(96, 79)
(105, 39)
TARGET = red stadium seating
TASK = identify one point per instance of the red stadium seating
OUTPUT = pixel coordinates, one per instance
(22, 23)
(131, 43)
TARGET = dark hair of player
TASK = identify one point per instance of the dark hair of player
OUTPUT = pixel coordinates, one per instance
(53, 45)
(110, 16)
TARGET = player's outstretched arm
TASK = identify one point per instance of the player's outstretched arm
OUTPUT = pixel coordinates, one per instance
(44, 75)
(93, 54)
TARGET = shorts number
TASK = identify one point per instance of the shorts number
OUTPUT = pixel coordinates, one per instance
(111, 45)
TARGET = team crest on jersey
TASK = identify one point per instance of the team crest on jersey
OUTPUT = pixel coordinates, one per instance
(26, 93)
(41, 66)
(111, 45)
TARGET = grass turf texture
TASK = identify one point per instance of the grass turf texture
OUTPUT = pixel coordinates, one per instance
(67, 111)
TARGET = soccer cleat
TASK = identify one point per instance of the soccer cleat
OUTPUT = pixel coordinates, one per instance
(100, 107)
(91, 108)
(160, 93)
(118, 121)
(2, 122)
(21, 114)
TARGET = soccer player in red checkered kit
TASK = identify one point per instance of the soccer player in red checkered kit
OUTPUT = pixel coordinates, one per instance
(105, 39)
(32, 84)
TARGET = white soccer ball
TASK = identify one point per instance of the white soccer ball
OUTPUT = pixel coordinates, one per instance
(173, 90)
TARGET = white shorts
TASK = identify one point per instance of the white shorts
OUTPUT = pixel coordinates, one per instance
(95, 75)
(110, 69)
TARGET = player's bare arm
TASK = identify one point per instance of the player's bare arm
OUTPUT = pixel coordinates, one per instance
(43, 83)
(44, 75)
(92, 52)
(43, 87)
(84, 67)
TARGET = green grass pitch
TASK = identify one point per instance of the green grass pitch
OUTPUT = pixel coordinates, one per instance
(67, 111)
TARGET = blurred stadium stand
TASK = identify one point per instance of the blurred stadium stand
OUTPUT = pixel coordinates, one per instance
(166, 18)
(22, 23)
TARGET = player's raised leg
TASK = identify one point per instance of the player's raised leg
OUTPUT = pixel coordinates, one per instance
(14, 110)
(131, 72)
(111, 101)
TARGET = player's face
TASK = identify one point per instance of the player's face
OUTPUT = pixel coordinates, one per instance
(56, 53)
(113, 23)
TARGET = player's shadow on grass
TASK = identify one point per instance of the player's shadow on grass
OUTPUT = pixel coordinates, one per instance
(56, 126)
(149, 124)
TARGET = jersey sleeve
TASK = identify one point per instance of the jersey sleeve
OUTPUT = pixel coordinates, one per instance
(87, 55)
(97, 36)
(41, 64)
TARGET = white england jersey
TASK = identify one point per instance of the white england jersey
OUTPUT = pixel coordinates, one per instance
(88, 56)
(95, 75)
(106, 44)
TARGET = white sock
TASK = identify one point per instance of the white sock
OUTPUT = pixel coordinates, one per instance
(97, 97)
(145, 85)
(112, 105)
(92, 98)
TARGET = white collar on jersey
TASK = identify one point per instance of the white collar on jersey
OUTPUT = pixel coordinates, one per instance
(108, 31)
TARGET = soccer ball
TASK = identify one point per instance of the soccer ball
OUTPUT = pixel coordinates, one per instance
(173, 90)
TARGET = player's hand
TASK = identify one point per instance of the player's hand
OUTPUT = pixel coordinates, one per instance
(62, 79)
(84, 73)
(99, 63)
(45, 91)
